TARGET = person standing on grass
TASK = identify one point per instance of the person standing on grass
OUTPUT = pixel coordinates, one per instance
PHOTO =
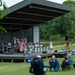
(51, 45)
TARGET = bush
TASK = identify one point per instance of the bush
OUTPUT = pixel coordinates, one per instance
(55, 37)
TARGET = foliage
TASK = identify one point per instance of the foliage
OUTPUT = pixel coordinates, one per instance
(2, 29)
(70, 18)
(53, 37)
(3, 8)
(63, 25)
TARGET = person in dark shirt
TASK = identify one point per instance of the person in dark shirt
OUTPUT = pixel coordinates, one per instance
(37, 66)
(65, 63)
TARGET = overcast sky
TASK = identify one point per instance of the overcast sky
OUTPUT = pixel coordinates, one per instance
(12, 2)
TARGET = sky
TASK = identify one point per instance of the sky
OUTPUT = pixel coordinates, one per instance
(12, 2)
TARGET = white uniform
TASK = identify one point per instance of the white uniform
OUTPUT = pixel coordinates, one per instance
(51, 46)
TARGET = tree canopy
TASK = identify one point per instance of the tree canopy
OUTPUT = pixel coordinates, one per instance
(60, 26)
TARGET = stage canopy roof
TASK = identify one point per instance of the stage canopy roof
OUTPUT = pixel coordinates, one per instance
(32, 12)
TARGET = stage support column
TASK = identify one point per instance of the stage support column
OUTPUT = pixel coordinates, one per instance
(1, 60)
(46, 56)
(12, 60)
(24, 60)
(36, 34)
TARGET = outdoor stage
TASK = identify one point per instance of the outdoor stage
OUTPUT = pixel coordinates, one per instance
(15, 57)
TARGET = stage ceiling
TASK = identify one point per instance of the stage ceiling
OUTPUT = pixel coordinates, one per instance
(32, 12)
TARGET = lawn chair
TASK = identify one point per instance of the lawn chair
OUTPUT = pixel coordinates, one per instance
(74, 64)
(66, 66)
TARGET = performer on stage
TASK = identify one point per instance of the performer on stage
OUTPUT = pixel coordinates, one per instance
(14, 41)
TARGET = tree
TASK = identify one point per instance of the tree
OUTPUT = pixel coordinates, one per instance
(60, 26)
(3, 8)
(71, 17)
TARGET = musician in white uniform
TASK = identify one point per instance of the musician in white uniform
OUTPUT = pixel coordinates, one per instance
(51, 45)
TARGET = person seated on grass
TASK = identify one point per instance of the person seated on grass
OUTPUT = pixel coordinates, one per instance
(53, 63)
(70, 60)
(37, 66)
(65, 64)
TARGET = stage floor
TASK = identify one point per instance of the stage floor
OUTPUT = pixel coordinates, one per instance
(22, 56)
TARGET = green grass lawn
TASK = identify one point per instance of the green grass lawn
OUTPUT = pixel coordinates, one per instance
(23, 68)
(59, 47)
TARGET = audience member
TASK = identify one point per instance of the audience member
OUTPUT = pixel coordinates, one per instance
(53, 62)
(65, 64)
(37, 65)
(70, 60)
